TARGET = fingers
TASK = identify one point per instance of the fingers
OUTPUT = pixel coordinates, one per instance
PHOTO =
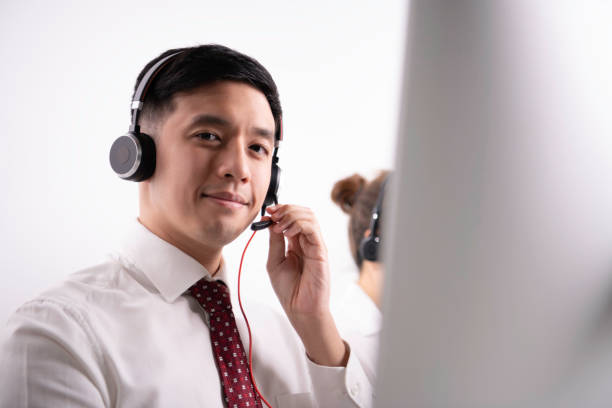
(292, 219)
(297, 222)
(276, 252)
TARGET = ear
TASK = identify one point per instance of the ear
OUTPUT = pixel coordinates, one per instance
(367, 233)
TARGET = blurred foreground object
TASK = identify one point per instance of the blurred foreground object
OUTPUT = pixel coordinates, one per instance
(499, 279)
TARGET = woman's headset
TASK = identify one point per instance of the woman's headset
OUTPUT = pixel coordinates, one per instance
(132, 156)
(370, 246)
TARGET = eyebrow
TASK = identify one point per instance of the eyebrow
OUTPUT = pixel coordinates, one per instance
(207, 119)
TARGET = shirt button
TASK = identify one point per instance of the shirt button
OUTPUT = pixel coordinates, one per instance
(354, 390)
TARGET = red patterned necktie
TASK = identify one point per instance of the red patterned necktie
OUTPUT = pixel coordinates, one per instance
(229, 352)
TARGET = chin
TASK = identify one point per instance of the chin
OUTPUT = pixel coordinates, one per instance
(219, 233)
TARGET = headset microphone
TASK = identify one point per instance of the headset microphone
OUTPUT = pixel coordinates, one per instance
(259, 225)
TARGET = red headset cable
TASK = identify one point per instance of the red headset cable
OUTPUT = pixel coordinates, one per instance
(248, 326)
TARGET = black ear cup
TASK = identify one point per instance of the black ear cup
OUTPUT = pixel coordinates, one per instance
(369, 247)
(132, 156)
(271, 197)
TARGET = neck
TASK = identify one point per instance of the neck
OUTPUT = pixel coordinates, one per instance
(209, 258)
(371, 280)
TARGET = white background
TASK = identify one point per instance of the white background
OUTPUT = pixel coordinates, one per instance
(66, 78)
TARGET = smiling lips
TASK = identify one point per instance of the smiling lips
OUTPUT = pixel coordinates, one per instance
(227, 199)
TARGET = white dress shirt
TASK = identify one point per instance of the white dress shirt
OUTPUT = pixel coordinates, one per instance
(359, 321)
(124, 334)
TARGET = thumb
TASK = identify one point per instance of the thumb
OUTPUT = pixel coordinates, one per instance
(276, 252)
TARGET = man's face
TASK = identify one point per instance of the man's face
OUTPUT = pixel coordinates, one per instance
(214, 155)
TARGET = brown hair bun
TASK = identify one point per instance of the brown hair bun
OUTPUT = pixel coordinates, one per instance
(345, 191)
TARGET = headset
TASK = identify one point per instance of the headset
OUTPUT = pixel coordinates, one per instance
(132, 156)
(369, 247)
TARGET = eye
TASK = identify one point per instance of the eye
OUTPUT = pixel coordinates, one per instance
(207, 136)
(260, 149)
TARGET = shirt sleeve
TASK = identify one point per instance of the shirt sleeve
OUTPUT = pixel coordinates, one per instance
(341, 386)
(49, 359)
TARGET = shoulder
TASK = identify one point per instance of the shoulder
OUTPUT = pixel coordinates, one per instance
(68, 302)
(51, 346)
(50, 330)
(72, 314)
(111, 280)
(73, 302)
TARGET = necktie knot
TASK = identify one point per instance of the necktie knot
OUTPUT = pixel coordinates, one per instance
(212, 295)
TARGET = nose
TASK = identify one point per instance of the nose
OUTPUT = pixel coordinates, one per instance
(233, 162)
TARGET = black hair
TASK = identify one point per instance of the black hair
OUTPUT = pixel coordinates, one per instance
(200, 65)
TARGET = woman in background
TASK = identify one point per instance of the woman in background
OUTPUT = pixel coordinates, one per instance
(358, 315)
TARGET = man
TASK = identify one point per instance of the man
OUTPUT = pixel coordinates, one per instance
(141, 329)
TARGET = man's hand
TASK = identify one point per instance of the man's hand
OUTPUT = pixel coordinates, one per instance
(299, 272)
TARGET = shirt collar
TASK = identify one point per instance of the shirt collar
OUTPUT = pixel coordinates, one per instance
(170, 270)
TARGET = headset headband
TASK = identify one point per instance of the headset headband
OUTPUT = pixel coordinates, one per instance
(143, 87)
